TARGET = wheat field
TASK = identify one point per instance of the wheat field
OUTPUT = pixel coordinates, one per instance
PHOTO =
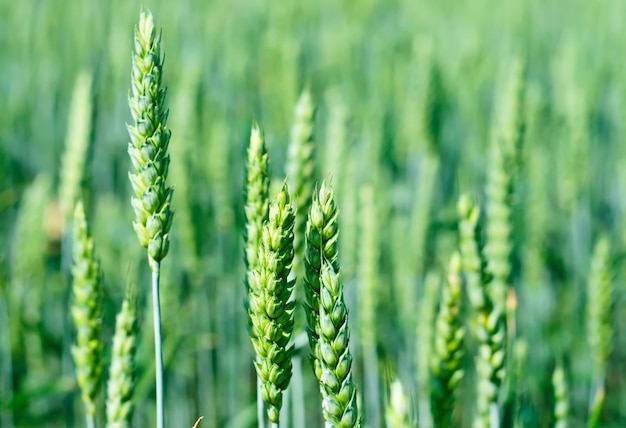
(313, 213)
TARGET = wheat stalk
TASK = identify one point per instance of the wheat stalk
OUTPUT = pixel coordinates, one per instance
(502, 167)
(121, 382)
(321, 237)
(446, 371)
(78, 133)
(256, 211)
(599, 328)
(87, 314)
(561, 397)
(488, 326)
(148, 152)
(334, 360)
(397, 412)
(256, 199)
(271, 304)
(300, 170)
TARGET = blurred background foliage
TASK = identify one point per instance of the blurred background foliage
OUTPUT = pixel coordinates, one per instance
(406, 94)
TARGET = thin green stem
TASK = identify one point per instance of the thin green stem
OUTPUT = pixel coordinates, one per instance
(260, 405)
(91, 423)
(158, 348)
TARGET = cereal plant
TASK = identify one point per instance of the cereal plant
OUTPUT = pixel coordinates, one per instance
(389, 214)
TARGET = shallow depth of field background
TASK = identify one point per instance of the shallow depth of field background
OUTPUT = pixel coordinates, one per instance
(405, 94)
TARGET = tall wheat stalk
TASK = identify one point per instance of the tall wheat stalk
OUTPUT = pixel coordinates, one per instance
(148, 152)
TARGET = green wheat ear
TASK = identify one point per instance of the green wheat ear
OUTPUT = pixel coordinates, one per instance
(150, 138)
(488, 326)
(256, 199)
(271, 304)
(339, 392)
(87, 314)
(321, 237)
(599, 328)
(78, 132)
(256, 210)
(447, 350)
(397, 412)
(300, 170)
(561, 397)
(121, 383)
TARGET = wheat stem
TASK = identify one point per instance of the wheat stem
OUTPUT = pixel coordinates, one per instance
(158, 346)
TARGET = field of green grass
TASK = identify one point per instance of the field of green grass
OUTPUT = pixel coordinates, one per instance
(474, 152)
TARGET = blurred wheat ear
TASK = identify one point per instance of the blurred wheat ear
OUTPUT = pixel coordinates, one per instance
(119, 405)
(87, 314)
(447, 350)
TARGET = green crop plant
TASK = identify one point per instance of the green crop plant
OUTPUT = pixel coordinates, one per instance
(321, 239)
(271, 304)
(334, 360)
(87, 314)
(488, 326)
(150, 139)
(446, 371)
(561, 399)
(256, 210)
(599, 325)
(300, 170)
(402, 107)
(121, 383)
(77, 144)
(397, 414)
